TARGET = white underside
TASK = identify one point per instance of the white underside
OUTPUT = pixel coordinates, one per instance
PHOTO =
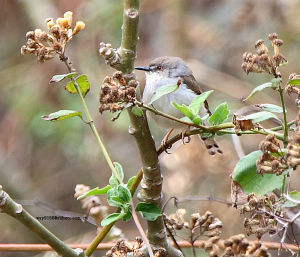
(182, 95)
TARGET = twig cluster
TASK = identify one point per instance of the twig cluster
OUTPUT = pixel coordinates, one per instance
(122, 247)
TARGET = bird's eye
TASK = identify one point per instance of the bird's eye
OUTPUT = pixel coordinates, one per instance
(158, 67)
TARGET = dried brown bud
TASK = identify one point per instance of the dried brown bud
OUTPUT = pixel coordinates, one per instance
(259, 43)
(80, 25)
(62, 23)
(30, 35)
(278, 42)
(69, 17)
(272, 36)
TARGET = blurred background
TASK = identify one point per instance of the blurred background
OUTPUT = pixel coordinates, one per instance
(45, 161)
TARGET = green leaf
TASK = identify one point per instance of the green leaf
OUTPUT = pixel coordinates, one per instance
(294, 195)
(113, 181)
(260, 116)
(220, 115)
(127, 216)
(149, 211)
(57, 78)
(270, 108)
(112, 218)
(185, 110)
(130, 182)
(137, 111)
(164, 90)
(61, 115)
(260, 88)
(83, 84)
(95, 191)
(198, 101)
(113, 199)
(197, 120)
(124, 193)
(246, 176)
(276, 82)
(294, 82)
(186, 119)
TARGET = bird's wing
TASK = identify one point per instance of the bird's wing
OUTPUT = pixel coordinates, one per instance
(194, 85)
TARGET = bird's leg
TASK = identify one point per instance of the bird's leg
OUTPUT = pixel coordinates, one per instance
(183, 135)
(164, 141)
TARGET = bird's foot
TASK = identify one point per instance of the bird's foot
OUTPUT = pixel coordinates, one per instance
(183, 136)
(164, 144)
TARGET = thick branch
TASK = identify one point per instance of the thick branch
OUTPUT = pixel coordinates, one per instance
(15, 210)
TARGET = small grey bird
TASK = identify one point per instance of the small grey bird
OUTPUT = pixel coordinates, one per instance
(169, 70)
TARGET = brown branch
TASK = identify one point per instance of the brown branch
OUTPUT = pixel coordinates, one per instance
(109, 245)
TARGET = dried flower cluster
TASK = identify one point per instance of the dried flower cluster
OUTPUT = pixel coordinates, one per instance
(241, 124)
(93, 207)
(110, 55)
(235, 246)
(122, 248)
(205, 225)
(45, 45)
(293, 89)
(293, 148)
(262, 61)
(267, 162)
(116, 93)
(260, 221)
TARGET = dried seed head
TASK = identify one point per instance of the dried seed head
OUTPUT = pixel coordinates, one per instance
(278, 42)
(259, 43)
(80, 25)
(62, 23)
(69, 17)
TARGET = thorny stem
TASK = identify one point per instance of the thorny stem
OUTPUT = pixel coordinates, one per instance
(285, 125)
(91, 122)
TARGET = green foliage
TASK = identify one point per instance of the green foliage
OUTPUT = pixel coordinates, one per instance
(271, 108)
(113, 180)
(246, 176)
(192, 111)
(164, 90)
(295, 195)
(260, 116)
(130, 182)
(273, 84)
(95, 191)
(137, 111)
(294, 82)
(111, 218)
(198, 101)
(220, 114)
(58, 78)
(149, 211)
(61, 115)
(83, 84)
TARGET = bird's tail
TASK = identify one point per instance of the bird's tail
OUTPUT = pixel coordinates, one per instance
(212, 146)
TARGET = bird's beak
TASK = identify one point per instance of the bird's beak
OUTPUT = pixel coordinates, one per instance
(143, 68)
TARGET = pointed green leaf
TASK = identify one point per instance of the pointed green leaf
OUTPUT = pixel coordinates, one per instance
(270, 107)
(258, 89)
(198, 101)
(61, 115)
(294, 82)
(95, 191)
(57, 78)
(137, 111)
(186, 119)
(113, 181)
(220, 115)
(149, 211)
(185, 110)
(164, 90)
(83, 84)
(130, 182)
(112, 218)
(246, 176)
(260, 116)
